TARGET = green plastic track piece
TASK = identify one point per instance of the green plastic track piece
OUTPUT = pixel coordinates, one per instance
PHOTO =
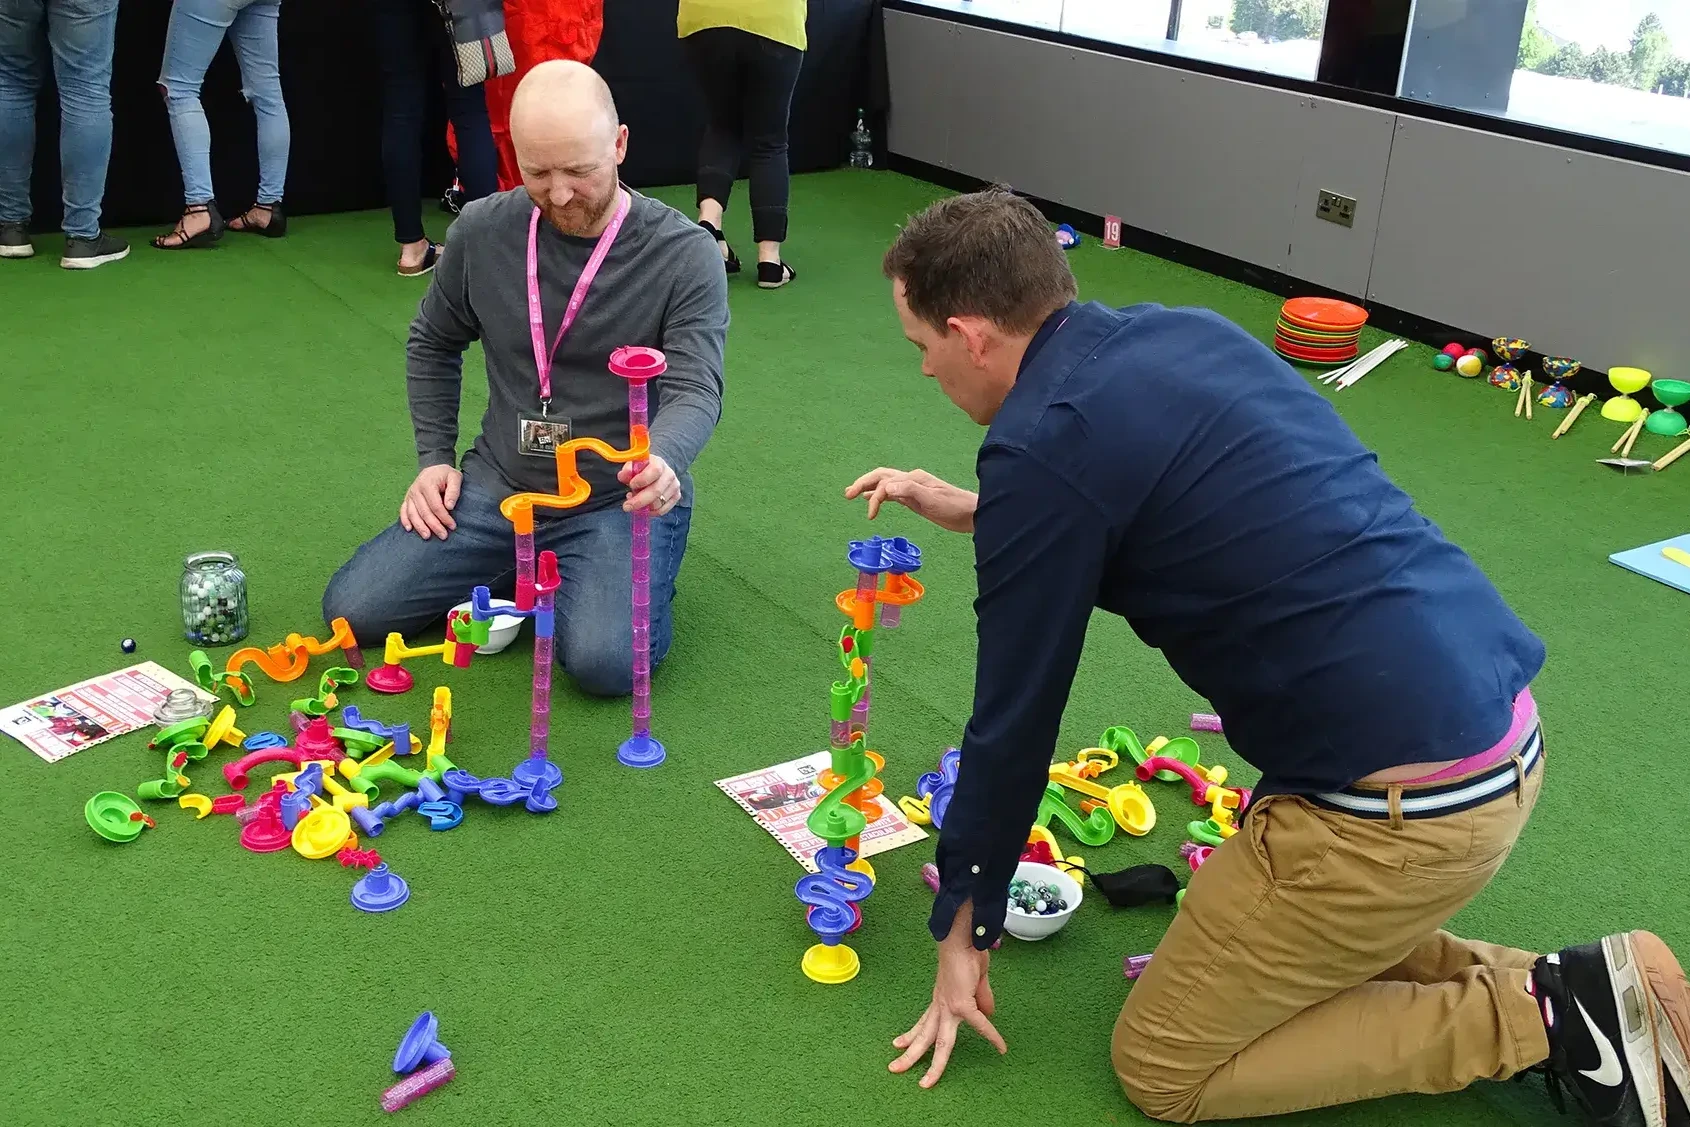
(1096, 829)
(1123, 741)
(358, 742)
(183, 731)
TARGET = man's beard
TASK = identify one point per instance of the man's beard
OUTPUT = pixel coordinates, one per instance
(581, 217)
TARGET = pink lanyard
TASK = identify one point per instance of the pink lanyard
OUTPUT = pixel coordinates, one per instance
(536, 316)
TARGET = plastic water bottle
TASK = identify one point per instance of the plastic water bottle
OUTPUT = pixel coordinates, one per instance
(862, 144)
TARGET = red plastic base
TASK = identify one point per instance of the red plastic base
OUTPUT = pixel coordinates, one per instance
(389, 679)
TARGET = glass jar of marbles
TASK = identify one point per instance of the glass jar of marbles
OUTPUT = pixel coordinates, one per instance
(213, 599)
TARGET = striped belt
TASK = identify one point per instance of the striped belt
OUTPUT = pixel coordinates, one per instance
(1444, 798)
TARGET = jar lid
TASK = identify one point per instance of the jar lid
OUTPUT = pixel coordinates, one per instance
(207, 561)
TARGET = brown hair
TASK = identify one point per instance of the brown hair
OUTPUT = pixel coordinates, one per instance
(987, 254)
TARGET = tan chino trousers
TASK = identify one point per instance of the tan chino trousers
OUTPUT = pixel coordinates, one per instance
(1306, 967)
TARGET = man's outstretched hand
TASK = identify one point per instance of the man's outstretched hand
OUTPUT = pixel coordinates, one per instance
(921, 493)
(427, 506)
(961, 993)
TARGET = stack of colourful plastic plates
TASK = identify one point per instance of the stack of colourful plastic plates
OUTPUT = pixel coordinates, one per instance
(1319, 331)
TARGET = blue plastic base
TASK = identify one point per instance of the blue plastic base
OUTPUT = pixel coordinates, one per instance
(549, 774)
(641, 751)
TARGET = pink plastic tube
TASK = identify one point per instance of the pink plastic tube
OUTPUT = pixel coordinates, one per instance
(418, 1084)
(1205, 722)
(641, 564)
(1199, 785)
(525, 571)
(638, 366)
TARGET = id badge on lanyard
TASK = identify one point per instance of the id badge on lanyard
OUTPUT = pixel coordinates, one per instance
(540, 434)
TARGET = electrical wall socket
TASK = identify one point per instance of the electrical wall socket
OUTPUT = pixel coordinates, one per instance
(1336, 209)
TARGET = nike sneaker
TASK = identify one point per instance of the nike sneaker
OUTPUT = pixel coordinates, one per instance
(1618, 1015)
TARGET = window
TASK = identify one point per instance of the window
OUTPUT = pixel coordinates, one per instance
(1618, 69)
(1277, 36)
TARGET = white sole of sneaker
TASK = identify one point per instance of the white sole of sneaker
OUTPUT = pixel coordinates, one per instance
(96, 260)
(25, 251)
(1631, 962)
(1666, 981)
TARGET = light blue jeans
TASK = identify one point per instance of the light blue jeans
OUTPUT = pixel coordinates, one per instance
(80, 34)
(197, 29)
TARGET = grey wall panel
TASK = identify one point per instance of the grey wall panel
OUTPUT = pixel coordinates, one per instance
(1579, 254)
(1224, 165)
(921, 113)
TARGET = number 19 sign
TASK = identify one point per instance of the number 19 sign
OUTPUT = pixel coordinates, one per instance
(1112, 232)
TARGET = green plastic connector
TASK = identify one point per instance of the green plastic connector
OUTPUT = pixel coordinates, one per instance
(1097, 829)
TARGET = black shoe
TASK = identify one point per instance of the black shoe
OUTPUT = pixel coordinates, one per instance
(774, 275)
(14, 241)
(85, 254)
(730, 260)
(1606, 1008)
(275, 225)
(179, 239)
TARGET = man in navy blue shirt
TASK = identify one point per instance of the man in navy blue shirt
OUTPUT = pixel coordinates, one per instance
(1164, 466)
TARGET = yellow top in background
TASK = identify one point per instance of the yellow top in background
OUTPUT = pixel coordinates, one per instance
(780, 20)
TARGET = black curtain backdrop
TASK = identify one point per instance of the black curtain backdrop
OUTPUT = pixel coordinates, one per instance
(332, 86)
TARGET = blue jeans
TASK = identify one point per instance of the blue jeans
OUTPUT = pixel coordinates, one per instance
(197, 28)
(399, 581)
(81, 35)
(416, 58)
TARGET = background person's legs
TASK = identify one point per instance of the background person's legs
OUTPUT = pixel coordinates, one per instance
(714, 54)
(404, 54)
(22, 55)
(594, 641)
(466, 106)
(771, 74)
(83, 36)
(400, 582)
(253, 36)
(1290, 978)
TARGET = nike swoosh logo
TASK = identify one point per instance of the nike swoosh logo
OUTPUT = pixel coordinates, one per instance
(1608, 1072)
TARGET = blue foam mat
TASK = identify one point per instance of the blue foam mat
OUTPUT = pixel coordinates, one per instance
(1648, 561)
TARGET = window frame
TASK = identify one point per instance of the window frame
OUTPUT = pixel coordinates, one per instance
(1393, 103)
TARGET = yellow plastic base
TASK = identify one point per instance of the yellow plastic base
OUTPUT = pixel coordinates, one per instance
(831, 965)
(1622, 409)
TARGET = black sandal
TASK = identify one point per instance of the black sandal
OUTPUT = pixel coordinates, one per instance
(185, 241)
(274, 229)
(731, 262)
(774, 275)
(431, 257)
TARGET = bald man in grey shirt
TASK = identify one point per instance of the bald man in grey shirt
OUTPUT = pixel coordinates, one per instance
(661, 284)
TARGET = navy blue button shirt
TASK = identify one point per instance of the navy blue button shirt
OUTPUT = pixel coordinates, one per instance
(1167, 467)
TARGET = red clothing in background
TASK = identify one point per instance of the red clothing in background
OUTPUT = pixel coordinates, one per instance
(539, 30)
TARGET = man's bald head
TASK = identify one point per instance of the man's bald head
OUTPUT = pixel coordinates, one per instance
(561, 96)
(568, 144)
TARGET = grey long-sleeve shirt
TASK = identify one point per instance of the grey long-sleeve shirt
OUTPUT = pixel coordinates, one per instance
(662, 286)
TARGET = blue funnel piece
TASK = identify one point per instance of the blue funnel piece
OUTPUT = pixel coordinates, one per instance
(382, 891)
(641, 751)
(537, 769)
(420, 1046)
(879, 554)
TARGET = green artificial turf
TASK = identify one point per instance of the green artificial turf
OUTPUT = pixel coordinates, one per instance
(633, 958)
